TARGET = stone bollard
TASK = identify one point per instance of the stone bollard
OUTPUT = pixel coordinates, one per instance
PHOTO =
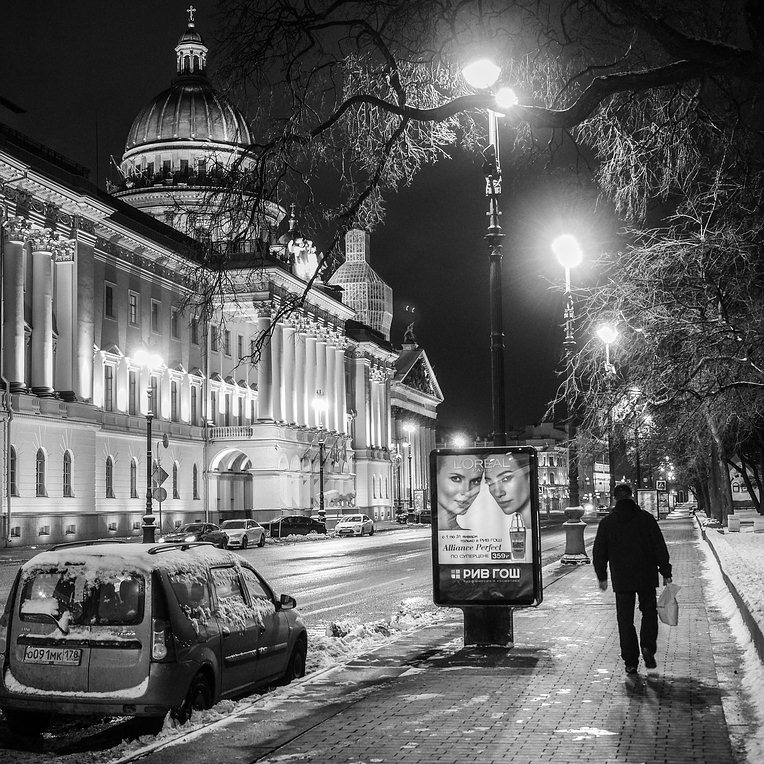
(733, 524)
(575, 552)
(149, 529)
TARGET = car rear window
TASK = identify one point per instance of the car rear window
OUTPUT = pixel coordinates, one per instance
(234, 524)
(70, 597)
(193, 595)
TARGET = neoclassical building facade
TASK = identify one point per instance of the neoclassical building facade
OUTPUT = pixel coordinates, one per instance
(105, 340)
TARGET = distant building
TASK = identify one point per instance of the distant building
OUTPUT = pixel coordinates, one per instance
(95, 284)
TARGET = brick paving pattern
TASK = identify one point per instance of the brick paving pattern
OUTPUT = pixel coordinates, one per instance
(559, 696)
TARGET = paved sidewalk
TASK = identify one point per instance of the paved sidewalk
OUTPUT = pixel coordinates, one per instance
(560, 696)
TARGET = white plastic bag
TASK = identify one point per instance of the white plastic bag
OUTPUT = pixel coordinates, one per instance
(668, 607)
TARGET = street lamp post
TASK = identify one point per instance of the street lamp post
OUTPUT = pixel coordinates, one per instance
(482, 75)
(483, 624)
(149, 361)
(409, 428)
(319, 403)
(609, 334)
(569, 255)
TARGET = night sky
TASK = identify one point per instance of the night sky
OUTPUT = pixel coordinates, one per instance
(82, 71)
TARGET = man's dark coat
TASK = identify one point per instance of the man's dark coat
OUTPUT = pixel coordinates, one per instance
(631, 541)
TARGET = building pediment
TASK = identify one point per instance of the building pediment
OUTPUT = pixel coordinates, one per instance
(413, 370)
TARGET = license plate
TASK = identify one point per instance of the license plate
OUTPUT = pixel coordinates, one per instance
(55, 656)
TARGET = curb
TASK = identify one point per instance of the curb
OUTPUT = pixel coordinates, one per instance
(757, 638)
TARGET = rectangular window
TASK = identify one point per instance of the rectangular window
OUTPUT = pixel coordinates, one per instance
(227, 342)
(108, 388)
(112, 527)
(132, 308)
(175, 324)
(194, 331)
(132, 392)
(109, 309)
(43, 530)
(154, 401)
(174, 401)
(252, 410)
(71, 530)
(227, 411)
(194, 405)
(213, 407)
(201, 166)
(16, 532)
(213, 338)
(239, 346)
(241, 411)
(154, 316)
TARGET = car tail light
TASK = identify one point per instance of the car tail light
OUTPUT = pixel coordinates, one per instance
(162, 648)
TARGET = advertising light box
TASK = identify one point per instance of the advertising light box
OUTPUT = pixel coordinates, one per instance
(486, 544)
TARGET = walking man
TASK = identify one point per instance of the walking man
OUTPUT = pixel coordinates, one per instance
(630, 540)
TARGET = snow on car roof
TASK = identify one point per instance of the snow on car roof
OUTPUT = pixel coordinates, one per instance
(108, 558)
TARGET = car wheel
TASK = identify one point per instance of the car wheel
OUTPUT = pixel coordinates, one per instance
(27, 723)
(296, 666)
(198, 698)
(244, 541)
(262, 540)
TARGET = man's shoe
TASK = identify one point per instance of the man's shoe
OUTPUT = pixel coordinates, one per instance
(649, 659)
(631, 669)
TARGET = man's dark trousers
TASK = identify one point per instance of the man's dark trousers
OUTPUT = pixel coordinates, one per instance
(648, 632)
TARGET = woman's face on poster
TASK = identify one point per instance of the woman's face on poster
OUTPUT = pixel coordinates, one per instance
(458, 484)
(508, 483)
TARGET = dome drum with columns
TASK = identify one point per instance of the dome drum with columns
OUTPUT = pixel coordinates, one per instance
(93, 288)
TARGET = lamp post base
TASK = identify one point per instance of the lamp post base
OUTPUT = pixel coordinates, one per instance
(489, 626)
(149, 529)
(575, 551)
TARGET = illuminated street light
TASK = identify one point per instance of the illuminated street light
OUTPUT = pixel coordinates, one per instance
(409, 428)
(609, 334)
(320, 405)
(148, 361)
(483, 75)
(459, 441)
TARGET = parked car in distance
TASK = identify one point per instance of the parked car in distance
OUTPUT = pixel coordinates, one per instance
(602, 509)
(110, 629)
(240, 534)
(424, 516)
(401, 516)
(187, 533)
(354, 525)
(293, 525)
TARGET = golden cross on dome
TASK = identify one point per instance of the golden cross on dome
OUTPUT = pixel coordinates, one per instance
(190, 11)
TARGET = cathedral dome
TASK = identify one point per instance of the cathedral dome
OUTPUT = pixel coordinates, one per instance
(192, 110)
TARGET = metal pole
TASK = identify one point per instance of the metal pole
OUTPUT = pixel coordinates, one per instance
(570, 344)
(411, 490)
(148, 519)
(637, 465)
(494, 236)
(321, 476)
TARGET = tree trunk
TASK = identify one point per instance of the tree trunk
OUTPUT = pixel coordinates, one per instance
(720, 473)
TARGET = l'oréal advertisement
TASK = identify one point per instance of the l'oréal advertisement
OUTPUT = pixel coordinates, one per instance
(486, 545)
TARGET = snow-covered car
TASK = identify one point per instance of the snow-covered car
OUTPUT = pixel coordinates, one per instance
(110, 629)
(354, 525)
(242, 533)
(293, 525)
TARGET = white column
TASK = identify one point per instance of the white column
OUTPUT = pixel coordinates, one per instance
(310, 381)
(330, 418)
(339, 386)
(42, 313)
(13, 296)
(84, 330)
(65, 306)
(288, 377)
(299, 379)
(361, 419)
(276, 366)
(264, 381)
(321, 369)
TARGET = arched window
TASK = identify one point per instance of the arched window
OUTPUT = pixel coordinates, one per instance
(195, 483)
(40, 473)
(175, 494)
(133, 478)
(373, 486)
(12, 470)
(109, 478)
(68, 475)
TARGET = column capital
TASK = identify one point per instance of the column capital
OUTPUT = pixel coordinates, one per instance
(18, 229)
(43, 240)
(63, 250)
